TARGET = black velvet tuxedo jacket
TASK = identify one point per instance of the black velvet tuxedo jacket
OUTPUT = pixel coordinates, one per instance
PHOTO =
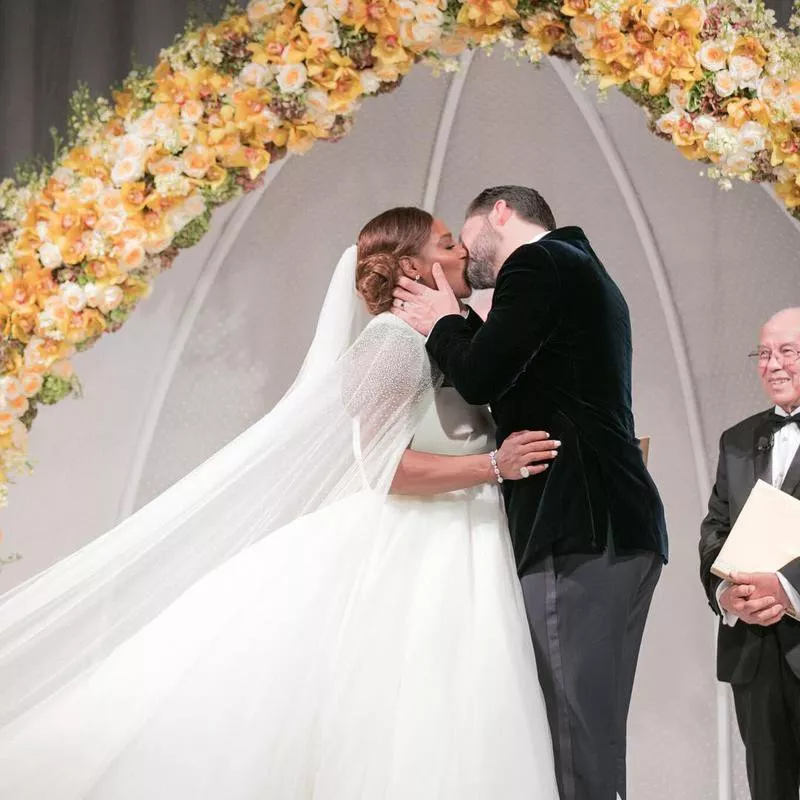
(745, 456)
(555, 354)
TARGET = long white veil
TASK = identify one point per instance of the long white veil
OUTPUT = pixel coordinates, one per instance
(341, 429)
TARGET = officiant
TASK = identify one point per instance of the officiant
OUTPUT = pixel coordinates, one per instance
(758, 645)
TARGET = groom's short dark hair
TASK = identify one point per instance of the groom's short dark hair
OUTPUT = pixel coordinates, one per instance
(527, 202)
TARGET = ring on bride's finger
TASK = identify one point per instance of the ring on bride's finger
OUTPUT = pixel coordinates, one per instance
(525, 472)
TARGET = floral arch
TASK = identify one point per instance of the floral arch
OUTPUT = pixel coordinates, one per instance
(82, 239)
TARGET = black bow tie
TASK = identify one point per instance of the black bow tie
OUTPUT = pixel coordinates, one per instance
(777, 421)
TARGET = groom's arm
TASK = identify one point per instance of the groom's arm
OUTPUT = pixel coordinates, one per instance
(473, 320)
(524, 313)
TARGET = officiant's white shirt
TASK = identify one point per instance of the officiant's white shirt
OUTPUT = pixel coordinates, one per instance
(785, 444)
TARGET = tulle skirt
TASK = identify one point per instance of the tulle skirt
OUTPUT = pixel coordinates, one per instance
(373, 649)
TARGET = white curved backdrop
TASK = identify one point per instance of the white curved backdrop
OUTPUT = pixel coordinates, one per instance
(701, 269)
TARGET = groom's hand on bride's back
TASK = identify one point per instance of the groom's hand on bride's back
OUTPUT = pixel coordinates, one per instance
(533, 450)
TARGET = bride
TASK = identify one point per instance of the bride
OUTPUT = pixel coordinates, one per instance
(321, 610)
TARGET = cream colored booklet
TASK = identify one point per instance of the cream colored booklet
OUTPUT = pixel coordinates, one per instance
(766, 535)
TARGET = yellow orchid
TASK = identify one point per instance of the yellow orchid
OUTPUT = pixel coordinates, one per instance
(487, 13)
(574, 8)
(546, 28)
(393, 59)
(750, 46)
(785, 147)
(609, 45)
(746, 110)
(789, 192)
(380, 17)
(614, 73)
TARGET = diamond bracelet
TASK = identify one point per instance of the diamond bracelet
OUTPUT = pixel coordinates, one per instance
(495, 468)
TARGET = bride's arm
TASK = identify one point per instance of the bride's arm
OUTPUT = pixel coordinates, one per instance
(429, 473)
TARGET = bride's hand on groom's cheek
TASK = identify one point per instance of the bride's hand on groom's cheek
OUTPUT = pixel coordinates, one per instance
(420, 306)
(532, 450)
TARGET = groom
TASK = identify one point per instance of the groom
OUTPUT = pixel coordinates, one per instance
(589, 534)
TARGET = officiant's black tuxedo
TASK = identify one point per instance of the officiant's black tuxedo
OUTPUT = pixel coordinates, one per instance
(588, 533)
(761, 663)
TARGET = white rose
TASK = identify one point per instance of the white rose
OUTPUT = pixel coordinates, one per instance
(704, 124)
(271, 118)
(314, 3)
(292, 78)
(325, 121)
(669, 121)
(315, 20)
(429, 15)
(745, 71)
(131, 146)
(317, 102)
(738, 162)
(423, 34)
(723, 140)
(713, 56)
(195, 205)
(6, 261)
(158, 244)
(10, 388)
(254, 75)
(127, 170)
(145, 126)
(34, 356)
(73, 296)
(64, 176)
(173, 185)
(50, 256)
(407, 9)
(337, 8)
(19, 435)
(770, 89)
(111, 224)
(132, 257)
(259, 10)
(370, 82)
(724, 83)
(90, 189)
(656, 16)
(192, 111)
(752, 137)
(111, 298)
(326, 40)
(93, 294)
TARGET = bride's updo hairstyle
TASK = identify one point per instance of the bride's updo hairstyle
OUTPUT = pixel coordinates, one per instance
(381, 244)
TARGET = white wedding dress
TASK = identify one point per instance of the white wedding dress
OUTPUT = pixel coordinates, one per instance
(375, 648)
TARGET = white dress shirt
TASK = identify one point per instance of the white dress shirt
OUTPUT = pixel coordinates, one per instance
(785, 444)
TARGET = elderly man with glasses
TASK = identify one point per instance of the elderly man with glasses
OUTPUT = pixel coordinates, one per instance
(758, 648)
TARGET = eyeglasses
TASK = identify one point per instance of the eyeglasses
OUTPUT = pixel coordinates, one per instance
(786, 355)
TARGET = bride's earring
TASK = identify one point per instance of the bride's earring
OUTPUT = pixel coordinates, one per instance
(418, 278)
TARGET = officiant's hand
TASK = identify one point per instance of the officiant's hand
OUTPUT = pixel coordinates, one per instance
(422, 307)
(756, 598)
